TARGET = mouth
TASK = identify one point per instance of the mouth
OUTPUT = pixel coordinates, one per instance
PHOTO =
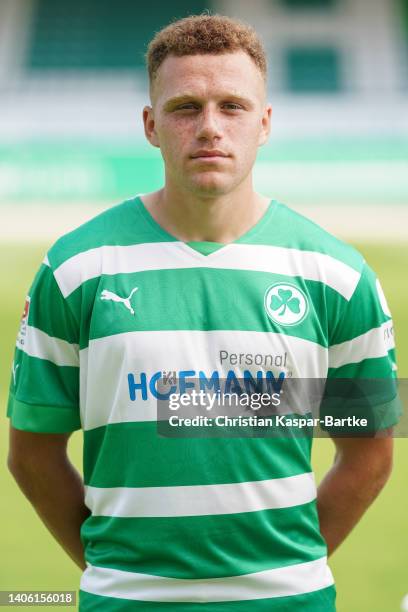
(213, 155)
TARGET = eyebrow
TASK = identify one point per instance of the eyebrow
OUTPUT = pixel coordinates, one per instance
(186, 97)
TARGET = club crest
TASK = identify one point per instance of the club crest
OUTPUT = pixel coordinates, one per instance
(286, 304)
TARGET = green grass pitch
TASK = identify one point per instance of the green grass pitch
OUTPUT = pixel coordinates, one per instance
(371, 566)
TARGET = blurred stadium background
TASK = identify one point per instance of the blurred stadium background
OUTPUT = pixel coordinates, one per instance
(72, 88)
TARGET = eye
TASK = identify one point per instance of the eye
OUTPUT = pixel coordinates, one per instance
(187, 106)
(232, 106)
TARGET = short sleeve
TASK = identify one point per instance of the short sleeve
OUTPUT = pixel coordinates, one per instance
(362, 360)
(44, 388)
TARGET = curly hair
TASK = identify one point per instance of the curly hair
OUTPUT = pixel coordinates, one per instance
(200, 34)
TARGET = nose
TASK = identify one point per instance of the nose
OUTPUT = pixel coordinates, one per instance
(208, 127)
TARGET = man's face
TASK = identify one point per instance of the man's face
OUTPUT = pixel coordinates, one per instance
(208, 117)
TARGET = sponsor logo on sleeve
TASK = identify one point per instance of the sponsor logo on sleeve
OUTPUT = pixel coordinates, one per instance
(22, 333)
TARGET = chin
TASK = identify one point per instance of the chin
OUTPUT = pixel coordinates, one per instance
(210, 192)
(211, 187)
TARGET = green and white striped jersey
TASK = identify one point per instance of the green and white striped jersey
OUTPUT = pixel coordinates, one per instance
(217, 524)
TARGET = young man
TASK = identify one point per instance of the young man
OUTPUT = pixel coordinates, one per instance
(198, 278)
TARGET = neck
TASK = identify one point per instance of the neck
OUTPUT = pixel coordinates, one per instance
(191, 217)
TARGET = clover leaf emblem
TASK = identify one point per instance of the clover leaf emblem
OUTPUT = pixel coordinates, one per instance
(285, 300)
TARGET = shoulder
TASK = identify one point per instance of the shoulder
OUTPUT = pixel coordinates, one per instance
(119, 225)
(304, 249)
(303, 234)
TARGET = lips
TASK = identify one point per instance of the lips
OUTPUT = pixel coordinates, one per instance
(208, 153)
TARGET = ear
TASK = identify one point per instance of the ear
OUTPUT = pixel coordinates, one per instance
(149, 126)
(265, 125)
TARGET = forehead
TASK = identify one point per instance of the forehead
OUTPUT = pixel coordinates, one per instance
(202, 74)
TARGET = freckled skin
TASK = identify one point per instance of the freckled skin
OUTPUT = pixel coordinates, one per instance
(220, 105)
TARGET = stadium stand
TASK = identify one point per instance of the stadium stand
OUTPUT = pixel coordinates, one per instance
(72, 87)
(105, 35)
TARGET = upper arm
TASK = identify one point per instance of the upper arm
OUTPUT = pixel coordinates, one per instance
(362, 361)
(29, 449)
(44, 389)
(373, 454)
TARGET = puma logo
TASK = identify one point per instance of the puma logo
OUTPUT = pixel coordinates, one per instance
(109, 295)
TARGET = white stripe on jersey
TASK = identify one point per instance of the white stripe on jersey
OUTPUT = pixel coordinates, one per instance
(37, 343)
(106, 363)
(279, 582)
(175, 255)
(374, 343)
(201, 500)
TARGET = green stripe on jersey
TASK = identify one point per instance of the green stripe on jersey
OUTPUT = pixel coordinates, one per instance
(175, 299)
(46, 314)
(143, 459)
(206, 546)
(322, 600)
(42, 419)
(377, 367)
(122, 224)
(39, 381)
